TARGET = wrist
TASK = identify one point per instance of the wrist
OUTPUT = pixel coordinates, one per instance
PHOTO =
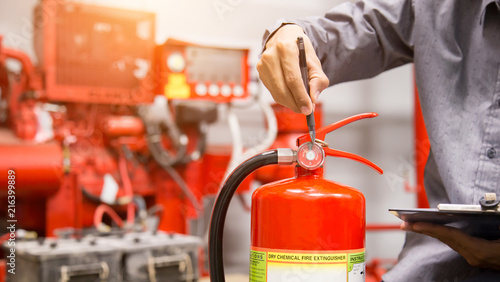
(288, 28)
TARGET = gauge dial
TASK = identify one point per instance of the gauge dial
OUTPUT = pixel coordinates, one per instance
(310, 156)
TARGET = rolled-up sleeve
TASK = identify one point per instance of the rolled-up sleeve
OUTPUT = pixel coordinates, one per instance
(360, 40)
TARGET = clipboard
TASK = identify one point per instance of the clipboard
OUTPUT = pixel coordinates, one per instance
(438, 216)
(479, 223)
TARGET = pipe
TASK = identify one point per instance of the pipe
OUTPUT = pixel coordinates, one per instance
(237, 154)
(142, 213)
(215, 254)
(127, 186)
(153, 125)
(201, 145)
(237, 149)
(38, 168)
(140, 203)
(158, 211)
(125, 200)
(422, 148)
(105, 209)
(187, 192)
(34, 81)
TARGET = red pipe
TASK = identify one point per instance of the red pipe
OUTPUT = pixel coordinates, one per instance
(38, 168)
(34, 81)
(104, 209)
(127, 186)
(422, 147)
(5, 237)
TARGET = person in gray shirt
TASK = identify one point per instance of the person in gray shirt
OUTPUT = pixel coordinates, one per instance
(455, 46)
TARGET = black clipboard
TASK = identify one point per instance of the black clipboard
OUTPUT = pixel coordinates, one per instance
(484, 224)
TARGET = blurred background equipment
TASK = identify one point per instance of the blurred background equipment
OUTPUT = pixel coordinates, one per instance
(107, 136)
(90, 54)
(131, 257)
(196, 72)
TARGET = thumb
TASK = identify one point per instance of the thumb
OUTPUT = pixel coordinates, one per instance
(317, 83)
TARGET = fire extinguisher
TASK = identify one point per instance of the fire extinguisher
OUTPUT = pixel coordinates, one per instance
(305, 228)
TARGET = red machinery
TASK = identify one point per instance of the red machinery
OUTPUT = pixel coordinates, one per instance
(86, 130)
(93, 54)
(305, 228)
(189, 71)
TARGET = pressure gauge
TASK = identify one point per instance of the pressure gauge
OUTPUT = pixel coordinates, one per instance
(310, 156)
(176, 62)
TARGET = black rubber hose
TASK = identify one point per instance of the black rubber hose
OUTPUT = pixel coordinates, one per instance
(219, 212)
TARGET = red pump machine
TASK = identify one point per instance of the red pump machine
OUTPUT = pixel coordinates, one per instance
(81, 130)
(305, 228)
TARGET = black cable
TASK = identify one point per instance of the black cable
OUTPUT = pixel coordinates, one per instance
(215, 255)
(183, 186)
(201, 144)
(90, 196)
(154, 130)
(158, 151)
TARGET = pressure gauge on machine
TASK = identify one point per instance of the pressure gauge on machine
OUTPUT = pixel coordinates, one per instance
(310, 156)
(176, 62)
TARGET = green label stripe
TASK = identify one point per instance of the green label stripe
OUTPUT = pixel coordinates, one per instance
(258, 266)
(355, 258)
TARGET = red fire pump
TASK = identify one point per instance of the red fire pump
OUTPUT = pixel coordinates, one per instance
(305, 228)
(110, 130)
(81, 130)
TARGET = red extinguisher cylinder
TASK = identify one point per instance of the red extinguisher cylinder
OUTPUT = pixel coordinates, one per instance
(308, 213)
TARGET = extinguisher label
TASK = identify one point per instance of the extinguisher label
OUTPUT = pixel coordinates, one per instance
(270, 265)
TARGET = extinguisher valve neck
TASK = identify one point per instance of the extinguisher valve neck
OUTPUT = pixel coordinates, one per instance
(286, 156)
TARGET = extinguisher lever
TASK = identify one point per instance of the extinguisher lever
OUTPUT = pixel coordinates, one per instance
(347, 155)
(322, 132)
(321, 135)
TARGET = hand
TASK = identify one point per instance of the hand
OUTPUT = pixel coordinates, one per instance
(279, 70)
(478, 252)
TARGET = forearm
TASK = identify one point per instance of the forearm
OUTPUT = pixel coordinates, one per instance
(357, 41)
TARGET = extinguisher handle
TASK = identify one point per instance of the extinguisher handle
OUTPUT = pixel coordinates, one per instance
(321, 135)
(341, 154)
(322, 132)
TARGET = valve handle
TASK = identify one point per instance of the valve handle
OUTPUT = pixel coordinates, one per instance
(347, 155)
(321, 134)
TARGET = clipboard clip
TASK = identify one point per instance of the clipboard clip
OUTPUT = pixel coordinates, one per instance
(489, 201)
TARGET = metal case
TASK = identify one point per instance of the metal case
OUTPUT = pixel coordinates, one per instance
(66, 260)
(158, 256)
(94, 54)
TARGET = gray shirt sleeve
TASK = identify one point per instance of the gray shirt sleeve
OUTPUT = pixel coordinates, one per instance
(361, 40)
